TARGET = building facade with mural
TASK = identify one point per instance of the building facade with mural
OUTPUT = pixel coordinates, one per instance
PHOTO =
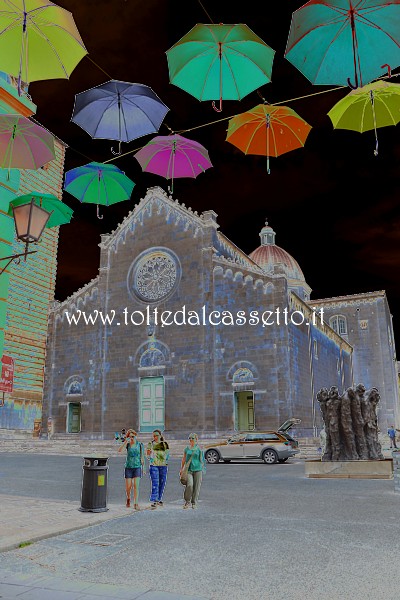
(27, 288)
(183, 331)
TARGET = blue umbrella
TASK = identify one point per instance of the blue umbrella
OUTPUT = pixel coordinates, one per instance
(117, 110)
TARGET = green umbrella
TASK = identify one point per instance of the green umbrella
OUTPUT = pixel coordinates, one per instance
(38, 40)
(370, 107)
(98, 183)
(214, 62)
(60, 212)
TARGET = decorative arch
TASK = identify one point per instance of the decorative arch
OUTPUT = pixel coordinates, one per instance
(74, 386)
(152, 354)
(269, 288)
(242, 371)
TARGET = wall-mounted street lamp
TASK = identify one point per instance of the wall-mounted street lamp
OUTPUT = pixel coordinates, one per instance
(30, 221)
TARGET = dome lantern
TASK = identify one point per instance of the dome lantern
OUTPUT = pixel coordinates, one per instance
(267, 235)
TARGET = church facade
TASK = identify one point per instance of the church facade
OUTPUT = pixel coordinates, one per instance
(183, 331)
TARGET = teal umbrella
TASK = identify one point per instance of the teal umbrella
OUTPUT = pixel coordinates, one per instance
(214, 62)
(60, 212)
(334, 41)
(98, 183)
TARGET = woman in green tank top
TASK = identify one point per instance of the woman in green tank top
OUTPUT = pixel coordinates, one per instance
(134, 467)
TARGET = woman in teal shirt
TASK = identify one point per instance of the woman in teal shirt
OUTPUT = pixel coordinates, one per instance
(196, 470)
(134, 467)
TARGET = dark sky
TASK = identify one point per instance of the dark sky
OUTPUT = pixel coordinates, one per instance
(333, 204)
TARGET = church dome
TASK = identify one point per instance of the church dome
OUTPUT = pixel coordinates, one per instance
(269, 254)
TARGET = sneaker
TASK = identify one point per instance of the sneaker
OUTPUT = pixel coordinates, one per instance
(194, 506)
(136, 506)
(186, 505)
(128, 503)
(160, 503)
(153, 505)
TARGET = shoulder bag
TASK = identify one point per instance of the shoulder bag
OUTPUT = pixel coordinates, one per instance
(184, 474)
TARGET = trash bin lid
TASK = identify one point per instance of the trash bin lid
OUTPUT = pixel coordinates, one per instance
(96, 456)
(95, 460)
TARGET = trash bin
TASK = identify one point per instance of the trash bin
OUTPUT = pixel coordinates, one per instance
(94, 484)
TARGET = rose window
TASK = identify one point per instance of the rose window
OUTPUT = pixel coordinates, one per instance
(155, 276)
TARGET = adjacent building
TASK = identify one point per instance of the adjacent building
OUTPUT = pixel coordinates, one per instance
(27, 288)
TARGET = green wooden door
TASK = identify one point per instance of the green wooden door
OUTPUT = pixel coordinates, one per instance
(244, 420)
(152, 403)
(74, 417)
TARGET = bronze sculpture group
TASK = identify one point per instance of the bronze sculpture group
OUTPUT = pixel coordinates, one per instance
(351, 423)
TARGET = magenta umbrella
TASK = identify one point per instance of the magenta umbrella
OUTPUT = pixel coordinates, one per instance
(24, 144)
(173, 156)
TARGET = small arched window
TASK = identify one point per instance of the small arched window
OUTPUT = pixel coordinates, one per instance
(315, 349)
(339, 324)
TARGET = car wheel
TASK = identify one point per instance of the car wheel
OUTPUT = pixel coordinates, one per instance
(270, 457)
(282, 460)
(212, 457)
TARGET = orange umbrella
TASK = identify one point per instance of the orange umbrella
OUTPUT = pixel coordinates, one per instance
(268, 130)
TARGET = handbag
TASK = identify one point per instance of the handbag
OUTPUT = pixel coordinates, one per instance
(184, 475)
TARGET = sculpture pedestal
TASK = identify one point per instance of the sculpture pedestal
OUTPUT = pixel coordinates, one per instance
(350, 469)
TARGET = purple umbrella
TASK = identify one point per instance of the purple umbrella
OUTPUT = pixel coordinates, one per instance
(173, 156)
(24, 144)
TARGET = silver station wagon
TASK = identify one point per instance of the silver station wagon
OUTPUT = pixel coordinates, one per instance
(270, 446)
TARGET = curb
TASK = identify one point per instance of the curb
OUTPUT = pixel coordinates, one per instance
(46, 536)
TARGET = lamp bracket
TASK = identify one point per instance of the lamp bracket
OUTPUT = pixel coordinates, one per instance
(16, 258)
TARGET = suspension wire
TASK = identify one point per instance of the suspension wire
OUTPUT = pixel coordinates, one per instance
(288, 101)
(201, 4)
(98, 66)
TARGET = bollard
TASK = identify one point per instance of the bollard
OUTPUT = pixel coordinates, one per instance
(94, 484)
(396, 470)
(37, 426)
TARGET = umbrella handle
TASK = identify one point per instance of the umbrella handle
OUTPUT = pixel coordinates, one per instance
(353, 87)
(389, 69)
(99, 216)
(118, 152)
(220, 106)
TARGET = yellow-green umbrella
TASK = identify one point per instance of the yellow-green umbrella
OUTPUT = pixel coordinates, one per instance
(38, 40)
(368, 107)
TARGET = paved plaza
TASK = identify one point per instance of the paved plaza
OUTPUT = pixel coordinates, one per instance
(261, 532)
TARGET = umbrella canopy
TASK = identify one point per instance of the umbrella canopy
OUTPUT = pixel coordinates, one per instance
(60, 212)
(268, 130)
(173, 156)
(369, 107)
(117, 110)
(38, 40)
(24, 144)
(98, 183)
(214, 62)
(335, 41)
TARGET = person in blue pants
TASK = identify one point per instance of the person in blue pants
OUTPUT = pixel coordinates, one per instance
(158, 455)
